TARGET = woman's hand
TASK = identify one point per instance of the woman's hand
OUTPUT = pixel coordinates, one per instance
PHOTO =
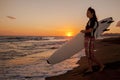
(83, 31)
(87, 31)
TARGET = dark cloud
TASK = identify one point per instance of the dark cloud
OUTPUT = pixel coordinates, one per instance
(10, 17)
(118, 24)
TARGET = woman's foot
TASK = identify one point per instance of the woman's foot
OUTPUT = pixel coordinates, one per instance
(101, 68)
(89, 70)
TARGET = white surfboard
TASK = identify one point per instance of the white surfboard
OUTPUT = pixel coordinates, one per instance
(103, 25)
(76, 44)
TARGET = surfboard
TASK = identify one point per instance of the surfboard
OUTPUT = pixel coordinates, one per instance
(76, 44)
(103, 25)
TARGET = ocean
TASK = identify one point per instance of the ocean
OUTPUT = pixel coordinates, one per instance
(24, 57)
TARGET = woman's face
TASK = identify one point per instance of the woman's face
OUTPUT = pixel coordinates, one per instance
(89, 14)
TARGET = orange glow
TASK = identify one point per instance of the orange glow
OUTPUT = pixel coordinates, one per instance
(20, 19)
(69, 34)
(10, 29)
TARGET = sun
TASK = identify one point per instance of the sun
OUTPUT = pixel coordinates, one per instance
(69, 34)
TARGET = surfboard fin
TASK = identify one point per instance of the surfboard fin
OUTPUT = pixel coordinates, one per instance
(106, 29)
(48, 62)
(110, 21)
(104, 21)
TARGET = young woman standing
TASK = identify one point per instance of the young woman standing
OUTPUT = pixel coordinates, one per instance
(89, 39)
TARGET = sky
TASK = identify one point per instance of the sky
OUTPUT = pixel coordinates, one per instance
(53, 17)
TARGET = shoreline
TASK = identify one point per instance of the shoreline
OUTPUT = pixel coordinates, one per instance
(108, 53)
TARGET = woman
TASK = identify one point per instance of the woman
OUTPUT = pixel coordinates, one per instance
(89, 39)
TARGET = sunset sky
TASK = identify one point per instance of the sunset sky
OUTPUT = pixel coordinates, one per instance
(53, 17)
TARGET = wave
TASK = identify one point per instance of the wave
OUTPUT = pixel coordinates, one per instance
(26, 38)
(12, 54)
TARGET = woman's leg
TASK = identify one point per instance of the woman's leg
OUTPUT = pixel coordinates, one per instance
(92, 57)
(87, 44)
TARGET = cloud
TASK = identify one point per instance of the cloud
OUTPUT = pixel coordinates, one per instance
(10, 17)
(118, 24)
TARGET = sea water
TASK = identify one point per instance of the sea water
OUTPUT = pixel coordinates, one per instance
(24, 58)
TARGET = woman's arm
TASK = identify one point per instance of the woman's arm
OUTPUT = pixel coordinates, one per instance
(91, 26)
(87, 31)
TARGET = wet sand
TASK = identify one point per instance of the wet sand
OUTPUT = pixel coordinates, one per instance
(15, 69)
(108, 52)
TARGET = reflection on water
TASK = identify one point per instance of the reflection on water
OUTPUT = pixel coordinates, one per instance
(25, 58)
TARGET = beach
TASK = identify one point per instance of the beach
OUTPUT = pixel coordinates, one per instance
(108, 52)
(24, 58)
(44, 39)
